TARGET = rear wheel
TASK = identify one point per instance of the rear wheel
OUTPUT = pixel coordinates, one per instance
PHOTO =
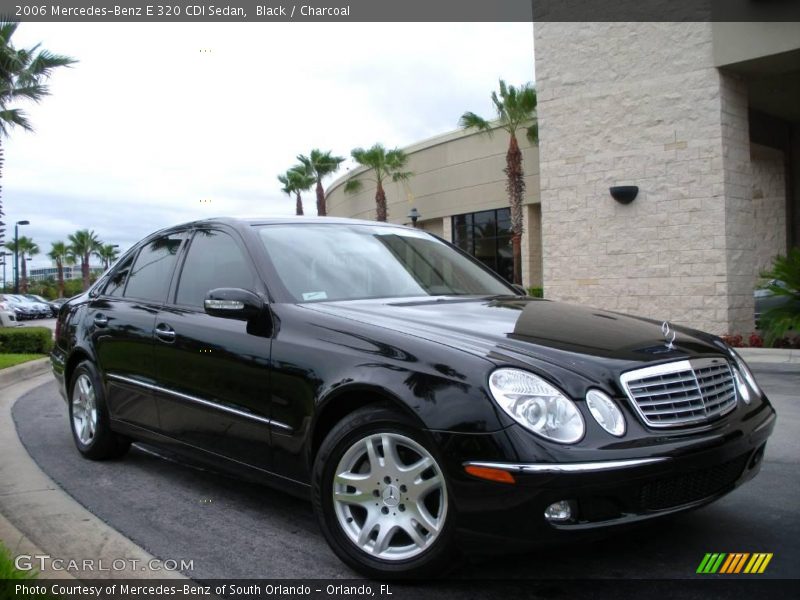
(88, 416)
(381, 497)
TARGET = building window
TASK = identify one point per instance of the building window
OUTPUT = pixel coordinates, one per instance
(486, 235)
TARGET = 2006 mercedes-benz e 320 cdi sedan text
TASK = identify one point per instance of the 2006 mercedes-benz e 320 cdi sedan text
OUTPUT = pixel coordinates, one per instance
(412, 394)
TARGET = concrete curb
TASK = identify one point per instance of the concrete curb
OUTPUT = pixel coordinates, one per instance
(37, 516)
(770, 355)
(12, 375)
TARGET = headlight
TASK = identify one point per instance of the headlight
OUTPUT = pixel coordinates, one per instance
(537, 405)
(605, 412)
(744, 372)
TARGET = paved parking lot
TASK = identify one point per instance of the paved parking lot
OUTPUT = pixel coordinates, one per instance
(234, 529)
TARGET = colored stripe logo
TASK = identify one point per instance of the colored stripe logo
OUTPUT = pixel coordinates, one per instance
(734, 563)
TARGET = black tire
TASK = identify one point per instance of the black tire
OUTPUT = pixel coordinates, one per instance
(102, 443)
(356, 428)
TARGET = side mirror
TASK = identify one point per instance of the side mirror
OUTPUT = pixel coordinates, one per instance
(520, 290)
(233, 303)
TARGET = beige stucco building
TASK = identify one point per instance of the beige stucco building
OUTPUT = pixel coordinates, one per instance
(458, 175)
(704, 118)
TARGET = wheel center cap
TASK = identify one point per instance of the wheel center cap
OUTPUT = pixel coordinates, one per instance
(391, 495)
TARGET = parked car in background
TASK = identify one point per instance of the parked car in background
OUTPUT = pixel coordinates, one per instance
(56, 304)
(8, 316)
(22, 310)
(421, 402)
(38, 310)
(765, 299)
(42, 301)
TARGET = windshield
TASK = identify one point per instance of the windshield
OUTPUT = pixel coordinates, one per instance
(318, 262)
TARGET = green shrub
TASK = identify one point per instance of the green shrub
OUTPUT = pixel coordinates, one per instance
(25, 340)
(779, 320)
(536, 292)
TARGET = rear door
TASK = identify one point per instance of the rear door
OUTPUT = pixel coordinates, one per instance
(122, 319)
(213, 374)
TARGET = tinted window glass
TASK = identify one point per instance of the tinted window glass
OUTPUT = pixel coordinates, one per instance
(116, 282)
(345, 262)
(149, 279)
(214, 261)
(487, 236)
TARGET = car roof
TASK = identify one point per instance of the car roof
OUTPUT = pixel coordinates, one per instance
(297, 220)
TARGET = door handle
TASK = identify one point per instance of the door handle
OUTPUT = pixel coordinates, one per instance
(165, 333)
(101, 320)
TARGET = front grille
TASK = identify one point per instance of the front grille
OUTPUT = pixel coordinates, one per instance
(681, 393)
(691, 487)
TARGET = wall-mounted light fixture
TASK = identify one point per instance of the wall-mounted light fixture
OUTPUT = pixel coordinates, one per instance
(624, 194)
(414, 215)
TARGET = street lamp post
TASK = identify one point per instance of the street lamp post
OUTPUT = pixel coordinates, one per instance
(16, 253)
(26, 279)
(5, 260)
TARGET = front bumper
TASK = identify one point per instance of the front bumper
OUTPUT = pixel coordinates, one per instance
(601, 493)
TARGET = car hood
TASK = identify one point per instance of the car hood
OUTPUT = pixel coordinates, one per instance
(588, 341)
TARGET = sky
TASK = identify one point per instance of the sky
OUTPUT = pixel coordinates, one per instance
(163, 123)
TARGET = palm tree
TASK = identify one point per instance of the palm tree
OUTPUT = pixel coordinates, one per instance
(386, 164)
(295, 181)
(23, 73)
(25, 248)
(108, 253)
(83, 243)
(320, 164)
(62, 255)
(516, 109)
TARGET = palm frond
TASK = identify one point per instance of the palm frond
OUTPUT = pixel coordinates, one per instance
(469, 120)
(23, 72)
(532, 133)
(45, 61)
(396, 159)
(499, 105)
(353, 186)
(784, 279)
(358, 155)
(779, 320)
(7, 30)
(27, 92)
(13, 117)
(402, 176)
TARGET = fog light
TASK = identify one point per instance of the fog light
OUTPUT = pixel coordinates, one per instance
(559, 511)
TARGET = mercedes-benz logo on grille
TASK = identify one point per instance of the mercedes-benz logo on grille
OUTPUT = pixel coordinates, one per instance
(669, 334)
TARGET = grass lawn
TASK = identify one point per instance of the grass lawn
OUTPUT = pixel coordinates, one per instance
(9, 360)
(7, 570)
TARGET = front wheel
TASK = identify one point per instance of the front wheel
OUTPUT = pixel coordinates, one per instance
(381, 497)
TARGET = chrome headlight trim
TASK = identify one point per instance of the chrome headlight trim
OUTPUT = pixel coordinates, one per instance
(537, 405)
(744, 371)
(604, 410)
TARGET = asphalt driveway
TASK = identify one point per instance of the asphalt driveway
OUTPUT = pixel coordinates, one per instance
(234, 529)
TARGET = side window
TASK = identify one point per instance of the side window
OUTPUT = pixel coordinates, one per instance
(214, 261)
(151, 273)
(116, 282)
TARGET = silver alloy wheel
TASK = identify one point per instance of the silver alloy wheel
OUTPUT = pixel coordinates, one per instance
(390, 497)
(84, 409)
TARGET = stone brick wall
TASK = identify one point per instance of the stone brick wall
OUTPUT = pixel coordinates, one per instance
(769, 205)
(532, 246)
(642, 104)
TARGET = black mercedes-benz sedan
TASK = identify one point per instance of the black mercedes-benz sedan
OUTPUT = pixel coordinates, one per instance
(423, 404)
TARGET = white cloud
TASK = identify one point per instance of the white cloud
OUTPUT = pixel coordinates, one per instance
(146, 125)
